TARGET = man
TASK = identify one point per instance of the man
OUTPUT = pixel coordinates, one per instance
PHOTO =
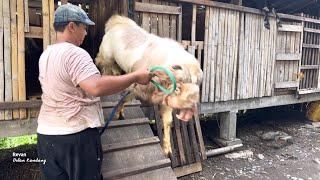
(68, 138)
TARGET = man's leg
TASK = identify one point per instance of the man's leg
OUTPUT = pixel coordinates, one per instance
(51, 169)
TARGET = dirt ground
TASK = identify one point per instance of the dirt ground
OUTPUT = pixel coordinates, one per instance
(296, 160)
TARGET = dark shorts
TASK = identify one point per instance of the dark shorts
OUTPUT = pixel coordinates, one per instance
(71, 157)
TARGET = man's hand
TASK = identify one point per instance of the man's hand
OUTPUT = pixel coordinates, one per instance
(143, 76)
(186, 114)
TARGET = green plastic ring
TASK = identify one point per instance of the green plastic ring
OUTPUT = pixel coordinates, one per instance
(171, 76)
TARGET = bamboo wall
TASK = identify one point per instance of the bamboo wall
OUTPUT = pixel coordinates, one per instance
(12, 60)
(238, 55)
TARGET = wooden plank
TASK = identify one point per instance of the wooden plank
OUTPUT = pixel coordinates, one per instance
(51, 20)
(46, 23)
(133, 157)
(205, 58)
(219, 61)
(179, 28)
(154, 8)
(212, 45)
(173, 25)
(257, 60)
(212, 53)
(193, 24)
(14, 55)
(199, 136)
(272, 56)
(160, 25)
(153, 19)
(129, 144)
(188, 169)
(226, 57)
(26, 15)
(263, 71)
(7, 56)
(315, 46)
(193, 140)
(311, 30)
(290, 84)
(224, 6)
(271, 40)
(2, 80)
(145, 19)
(250, 54)
(186, 142)
(34, 32)
(128, 133)
(288, 57)
(181, 149)
(309, 67)
(128, 122)
(119, 173)
(290, 28)
(235, 41)
(166, 23)
(241, 83)
(21, 56)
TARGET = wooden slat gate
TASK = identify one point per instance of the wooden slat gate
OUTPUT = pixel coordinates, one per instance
(288, 55)
(310, 57)
(165, 20)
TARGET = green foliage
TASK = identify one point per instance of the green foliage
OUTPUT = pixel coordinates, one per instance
(10, 142)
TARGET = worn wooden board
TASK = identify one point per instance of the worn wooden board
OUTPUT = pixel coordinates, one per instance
(2, 69)
(7, 56)
(21, 56)
(14, 55)
(130, 149)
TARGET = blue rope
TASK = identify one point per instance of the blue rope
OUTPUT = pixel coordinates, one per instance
(113, 112)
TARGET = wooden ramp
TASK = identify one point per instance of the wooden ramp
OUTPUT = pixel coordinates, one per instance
(131, 151)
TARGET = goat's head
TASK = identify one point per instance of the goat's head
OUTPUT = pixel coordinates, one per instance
(186, 93)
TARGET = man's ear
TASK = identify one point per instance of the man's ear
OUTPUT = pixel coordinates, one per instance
(71, 26)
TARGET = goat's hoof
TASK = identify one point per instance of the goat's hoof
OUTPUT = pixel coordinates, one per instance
(167, 151)
(121, 116)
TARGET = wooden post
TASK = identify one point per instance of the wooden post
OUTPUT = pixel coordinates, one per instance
(51, 20)
(21, 56)
(26, 15)
(193, 27)
(1, 61)
(46, 25)
(14, 55)
(7, 57)
(228, 125)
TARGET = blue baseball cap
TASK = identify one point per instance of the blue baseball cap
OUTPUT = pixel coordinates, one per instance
(71, 13)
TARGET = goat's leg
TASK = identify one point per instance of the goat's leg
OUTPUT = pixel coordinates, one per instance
(107, 65)
(166, 116)
(120, 111)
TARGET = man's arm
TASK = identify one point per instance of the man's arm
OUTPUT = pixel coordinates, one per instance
(98, 85)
